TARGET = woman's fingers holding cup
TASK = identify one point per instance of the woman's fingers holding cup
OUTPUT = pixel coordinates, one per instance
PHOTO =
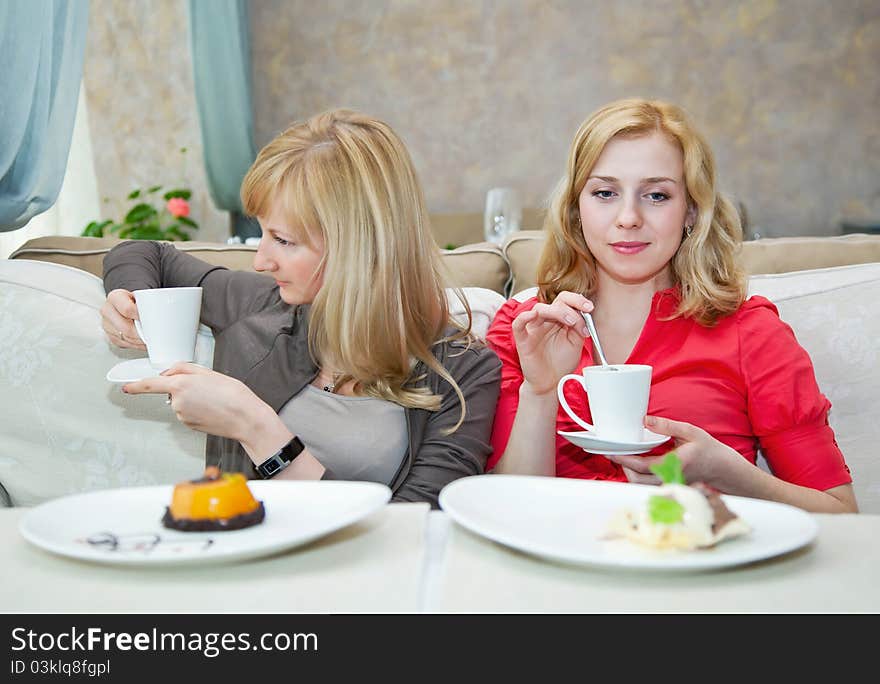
(123, 301)
(122, 335)
(117, 319)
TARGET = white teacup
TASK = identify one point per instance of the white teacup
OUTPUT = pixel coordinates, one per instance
(169, 322)
(618, 400)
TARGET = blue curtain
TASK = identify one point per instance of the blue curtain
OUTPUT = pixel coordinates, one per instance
(221, 56)
(42, 46)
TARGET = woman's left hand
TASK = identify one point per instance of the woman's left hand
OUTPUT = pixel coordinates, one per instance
(703, 458)
(205, 400)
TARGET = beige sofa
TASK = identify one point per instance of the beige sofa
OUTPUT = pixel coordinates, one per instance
(66, 429)
(507, 269)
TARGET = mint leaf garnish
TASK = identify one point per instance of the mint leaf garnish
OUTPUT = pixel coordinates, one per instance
(664, 510)
(669, 469)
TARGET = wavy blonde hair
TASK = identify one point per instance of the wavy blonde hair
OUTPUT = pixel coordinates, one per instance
(706, 265)
(382, 306)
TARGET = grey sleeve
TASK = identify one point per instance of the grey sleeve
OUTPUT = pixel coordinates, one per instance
(442, 458)
(227, 295)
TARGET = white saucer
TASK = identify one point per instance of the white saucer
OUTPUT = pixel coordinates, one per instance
(616, 452)
(593, 443)
(132, 371)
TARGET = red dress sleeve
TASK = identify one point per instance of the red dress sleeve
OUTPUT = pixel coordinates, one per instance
(500, 339)
(788, 412)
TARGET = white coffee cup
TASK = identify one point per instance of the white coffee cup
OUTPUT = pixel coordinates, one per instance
(169, 322)
(618, 400)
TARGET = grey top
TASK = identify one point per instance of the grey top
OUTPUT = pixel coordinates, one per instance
(262, 341)
(357, 438)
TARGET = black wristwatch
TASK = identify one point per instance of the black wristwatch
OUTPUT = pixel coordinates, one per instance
(283, 458)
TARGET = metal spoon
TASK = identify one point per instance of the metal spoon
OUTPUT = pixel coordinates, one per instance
(596, 344)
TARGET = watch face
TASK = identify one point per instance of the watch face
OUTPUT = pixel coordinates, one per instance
(270, 467)
(273, 465)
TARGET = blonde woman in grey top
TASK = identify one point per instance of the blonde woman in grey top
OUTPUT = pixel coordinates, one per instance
(355, 307)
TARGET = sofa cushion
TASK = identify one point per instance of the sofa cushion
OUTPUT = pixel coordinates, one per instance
(88, 253)
(522, 251)
(467, 228)
(476, 265)
(787, 254)
(835, 316)
(484, 304)
(65, 428)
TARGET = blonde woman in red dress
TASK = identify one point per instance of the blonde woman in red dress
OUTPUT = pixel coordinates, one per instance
(639, 235)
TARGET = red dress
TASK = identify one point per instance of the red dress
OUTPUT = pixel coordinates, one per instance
(746, 381)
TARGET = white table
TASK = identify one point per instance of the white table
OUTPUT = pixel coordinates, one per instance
(839, 573)
(372, 566)
(406, 558)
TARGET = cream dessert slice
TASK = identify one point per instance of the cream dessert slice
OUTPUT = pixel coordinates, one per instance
(679, 516)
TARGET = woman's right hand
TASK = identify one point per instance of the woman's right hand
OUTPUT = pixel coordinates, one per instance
(118, 315)
(549, 340)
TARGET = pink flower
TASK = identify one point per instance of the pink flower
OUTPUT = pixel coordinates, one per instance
(177, 207)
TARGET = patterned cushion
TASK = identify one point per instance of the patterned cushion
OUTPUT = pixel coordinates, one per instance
(65, 428)
(484, 304)
(834, 314)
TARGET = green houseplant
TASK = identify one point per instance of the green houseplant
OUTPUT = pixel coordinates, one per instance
(147, 221)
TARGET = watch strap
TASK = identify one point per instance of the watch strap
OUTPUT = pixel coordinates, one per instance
(281, 459)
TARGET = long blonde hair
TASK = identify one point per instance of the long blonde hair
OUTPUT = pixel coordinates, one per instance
(706, 265)
(382, 306)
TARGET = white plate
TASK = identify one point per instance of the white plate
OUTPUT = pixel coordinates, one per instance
(123, 526)
(592, 442)
(132, 371)
(565, 520)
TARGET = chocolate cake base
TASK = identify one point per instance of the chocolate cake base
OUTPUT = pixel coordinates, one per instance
(236, 522)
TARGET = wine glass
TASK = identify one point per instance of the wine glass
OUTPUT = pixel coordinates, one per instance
(502, 216)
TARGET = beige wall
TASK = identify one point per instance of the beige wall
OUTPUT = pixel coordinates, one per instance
(490, 92)
(142, 110)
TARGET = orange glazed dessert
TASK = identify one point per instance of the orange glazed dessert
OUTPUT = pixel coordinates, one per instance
(218, 501)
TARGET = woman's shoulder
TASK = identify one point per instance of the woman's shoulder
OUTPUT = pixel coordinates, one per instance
(761, 331)
(461, 353)
(455, 343)
(757, 312)
(508, 311)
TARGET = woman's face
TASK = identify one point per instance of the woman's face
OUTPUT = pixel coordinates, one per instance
(286, 257)
(633, 209)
